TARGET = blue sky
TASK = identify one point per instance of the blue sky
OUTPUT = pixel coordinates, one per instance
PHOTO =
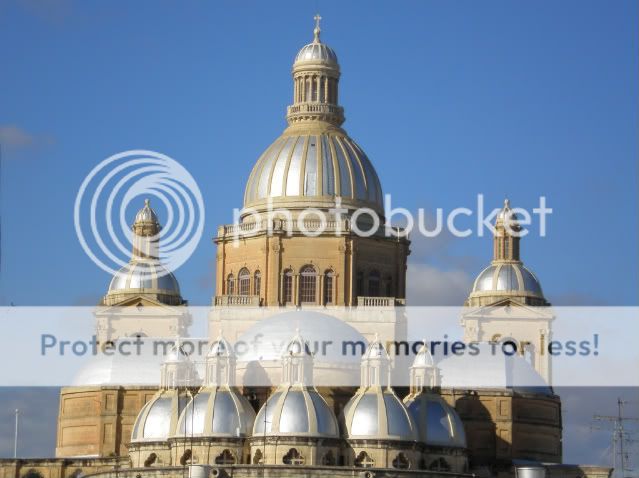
(448, 99)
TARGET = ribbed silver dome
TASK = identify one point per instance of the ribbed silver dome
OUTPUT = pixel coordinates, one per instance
(378, 414)
(147, 215)
(217, 412)
(507, 277)
(316, 52)
(296, 410)
(158, 418)
(150, 275)
(311, 166)
(437, 422)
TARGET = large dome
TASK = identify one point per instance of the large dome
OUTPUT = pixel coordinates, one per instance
(507, 277)
(158, 418)
(306, 168)
(150, 275)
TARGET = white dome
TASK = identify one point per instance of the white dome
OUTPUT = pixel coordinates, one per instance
(219, 412)
(380, 415)
(296, 410)
(437, 422)
(325, 166)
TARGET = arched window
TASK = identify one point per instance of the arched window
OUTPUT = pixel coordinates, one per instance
(230, 285)
(152, 458)
(328, 459)
(287, 284)
(258, 458)
(401, 462)
(308, 283)
(360, 283)
(244, 281)
(225, 458)
(439, 465)
(32, 474)
(388, 284)
(257, 283)
(328, 287)
(373, 283)
(293, 457)
(186, 457)
(364, 461)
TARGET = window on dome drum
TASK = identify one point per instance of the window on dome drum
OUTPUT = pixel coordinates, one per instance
(401, 462)
(186, 457)
(439, 465)
(360, 283)
(364, 461)
(373, 283)
(293, 457)
(32, 474)
(230, 285)
(388, 286)
(287, 287)
(244, 282)
(308, 283)
(257, 283)
(328, 459)
(258, 458)
(225, 458)
(328, 287)
(506, 248)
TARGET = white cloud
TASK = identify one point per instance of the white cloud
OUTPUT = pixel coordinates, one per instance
(13, 137)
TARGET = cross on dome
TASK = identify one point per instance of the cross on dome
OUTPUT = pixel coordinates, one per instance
(317, 30)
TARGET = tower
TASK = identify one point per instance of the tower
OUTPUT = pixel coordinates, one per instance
(281, 253)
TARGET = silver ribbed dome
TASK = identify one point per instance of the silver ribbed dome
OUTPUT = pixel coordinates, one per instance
(217, 412)
(312, 166)
(507, 277)
(150, 275)
(158, 418)
(296, 410)
(378, 414)
(316, 52)
(147, 215)
(437, 422)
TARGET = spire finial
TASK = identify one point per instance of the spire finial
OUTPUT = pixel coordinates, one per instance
(317, 30)
(506, 203)
(147, 202)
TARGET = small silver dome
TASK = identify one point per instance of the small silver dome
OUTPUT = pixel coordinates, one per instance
(217, 412)
(423, 358)
(313, 166)
(316, 51)
(507, 277)
(378, 414)
(146, 215)
(150, 275)
(221, 348)
(296, 410)
(437, 422)
(158, 418)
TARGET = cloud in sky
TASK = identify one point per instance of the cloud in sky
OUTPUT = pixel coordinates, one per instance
(14, 139)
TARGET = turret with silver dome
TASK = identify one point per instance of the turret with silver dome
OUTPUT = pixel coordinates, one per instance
(506, 276)
(144, 274)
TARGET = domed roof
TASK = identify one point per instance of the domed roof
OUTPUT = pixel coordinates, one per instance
(378, 414)
(269, 336)
(217, 412)
(149, 275)
(423, 357)
(437, 422)
(176, 354)
(507, 277)
(146, 215)
(296, 410)
(316, 51)
(158, 418)
(314, 166)
(507, 215)
(221, 348)
(491, 370)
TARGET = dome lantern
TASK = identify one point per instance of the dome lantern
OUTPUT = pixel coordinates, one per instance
(146, 231)
(507, 235)
(424, 374)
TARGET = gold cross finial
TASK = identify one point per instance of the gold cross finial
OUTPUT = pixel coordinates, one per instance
(317, 30)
